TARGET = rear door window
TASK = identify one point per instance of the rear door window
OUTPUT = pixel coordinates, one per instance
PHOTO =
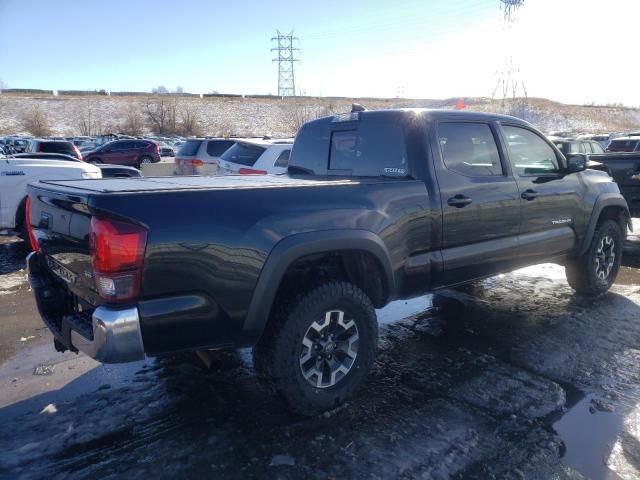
(190, 148)
(596, 147)
(243, 154)
(469, 149)
(216, 148)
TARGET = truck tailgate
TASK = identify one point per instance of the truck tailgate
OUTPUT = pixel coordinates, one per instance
(60, 222)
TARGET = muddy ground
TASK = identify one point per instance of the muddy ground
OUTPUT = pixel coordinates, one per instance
(513, 377)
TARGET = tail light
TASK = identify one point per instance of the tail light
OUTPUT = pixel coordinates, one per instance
(251, 171)
(117, 254)
(77, 152)
(27, 219)
(193, 163)
(155, 147)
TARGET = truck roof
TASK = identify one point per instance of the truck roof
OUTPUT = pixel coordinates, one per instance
(431, 114)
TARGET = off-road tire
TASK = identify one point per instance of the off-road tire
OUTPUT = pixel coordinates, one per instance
(581, 271)
(277, 355)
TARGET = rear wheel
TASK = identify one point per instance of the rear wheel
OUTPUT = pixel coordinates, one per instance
(318, 348)
(594, 272)
(95, 161)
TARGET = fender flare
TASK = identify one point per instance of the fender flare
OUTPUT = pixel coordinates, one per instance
(603, 201)
(294, 247)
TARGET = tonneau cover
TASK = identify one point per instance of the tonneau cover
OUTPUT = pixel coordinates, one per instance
(153, 184)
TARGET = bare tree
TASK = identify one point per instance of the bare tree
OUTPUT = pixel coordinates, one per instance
(36, 122)
(86, 120)
(161, 113)
(190, 123)
(133, 121)
(297, 112)
(160, 90)
(3, 86)
(179, 89)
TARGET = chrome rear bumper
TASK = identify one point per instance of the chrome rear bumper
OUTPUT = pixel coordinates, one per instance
(116, 336)
(113, 335)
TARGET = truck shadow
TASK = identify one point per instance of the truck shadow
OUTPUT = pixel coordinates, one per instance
(459, 381)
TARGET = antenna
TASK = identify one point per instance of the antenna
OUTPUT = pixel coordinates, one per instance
(286, 57)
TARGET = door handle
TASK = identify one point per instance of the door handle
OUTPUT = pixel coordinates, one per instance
(529, 195)
(459, 201)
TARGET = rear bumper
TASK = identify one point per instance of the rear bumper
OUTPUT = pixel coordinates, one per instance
(107, 334)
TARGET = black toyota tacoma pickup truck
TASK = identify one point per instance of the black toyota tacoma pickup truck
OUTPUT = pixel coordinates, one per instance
(377, 206)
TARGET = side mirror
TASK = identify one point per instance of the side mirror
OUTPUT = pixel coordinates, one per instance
(576, 162)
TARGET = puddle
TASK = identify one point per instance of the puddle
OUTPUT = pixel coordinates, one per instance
(589, 436)
(403, 309)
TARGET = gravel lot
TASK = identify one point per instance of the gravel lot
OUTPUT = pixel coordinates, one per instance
(512, 377)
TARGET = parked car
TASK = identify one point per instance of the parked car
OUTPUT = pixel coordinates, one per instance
(16, 173)
(166, 151)
(201, 155)
(624, 144)
(125, 152)
(54, 146)
(19, 145)
(108, 171)
(257, 157)
(378, 206)
(578, 146)
(625, 170)
(603, 139)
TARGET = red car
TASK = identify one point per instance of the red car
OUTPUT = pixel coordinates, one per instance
(125, 152)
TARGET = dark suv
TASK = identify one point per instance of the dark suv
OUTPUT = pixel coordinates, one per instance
(54, 146)
(624, 145)
(567, 146)
(125, 152)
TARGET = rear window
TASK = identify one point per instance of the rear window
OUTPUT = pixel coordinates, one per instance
(56, 147)
(630, 144)
(243, 154)
(190, 148)
(370, 149)
(216, 148)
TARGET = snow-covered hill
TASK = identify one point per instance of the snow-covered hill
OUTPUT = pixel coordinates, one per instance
(273, 116)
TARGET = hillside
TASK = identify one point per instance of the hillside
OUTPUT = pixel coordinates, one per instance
(274, 116)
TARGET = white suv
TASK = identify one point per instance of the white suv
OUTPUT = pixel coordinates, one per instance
(253, 156)
(200, 156)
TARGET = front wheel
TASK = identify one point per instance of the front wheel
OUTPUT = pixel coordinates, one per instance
(594, 272)
(318, 349)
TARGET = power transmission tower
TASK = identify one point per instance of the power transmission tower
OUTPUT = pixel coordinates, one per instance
(510, 84)
(286, 57)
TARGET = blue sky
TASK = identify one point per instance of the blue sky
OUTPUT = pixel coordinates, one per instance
(428, 48)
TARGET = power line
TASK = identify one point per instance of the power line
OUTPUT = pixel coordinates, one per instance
(286, 77)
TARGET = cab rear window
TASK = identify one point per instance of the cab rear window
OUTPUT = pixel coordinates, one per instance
(370, 149)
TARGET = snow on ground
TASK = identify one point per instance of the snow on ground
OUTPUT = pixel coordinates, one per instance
(273, 116)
